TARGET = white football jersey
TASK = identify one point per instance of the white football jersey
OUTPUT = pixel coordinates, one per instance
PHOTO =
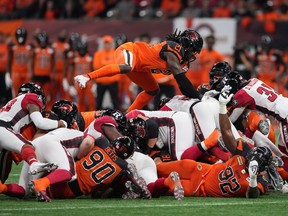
(180, 103)
(15, 111)
(258, 95)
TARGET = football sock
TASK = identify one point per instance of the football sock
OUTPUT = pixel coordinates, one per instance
(158, 188)
(59, 175)
(193, 152)
(3, 188)
(211, 140)
(108, 70)
(14, 190)
(141, 100)
(28, 154)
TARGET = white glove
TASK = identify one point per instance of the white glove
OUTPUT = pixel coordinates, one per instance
(81, 80)
(64, 122)
(65, 84)
(225, 95)
(253, 171)
(72, 91)
(210, 93)
(94, 89)
(8, 80)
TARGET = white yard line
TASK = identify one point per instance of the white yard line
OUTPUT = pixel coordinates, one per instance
(146, 206)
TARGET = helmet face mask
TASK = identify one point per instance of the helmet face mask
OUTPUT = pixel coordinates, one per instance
(218, 71)
(124, 146)
(42, 39)
(65, 110)
(82, 48)
(21, 35)
(262, 155)
(192, 42)
(138, 127)
(33, 88)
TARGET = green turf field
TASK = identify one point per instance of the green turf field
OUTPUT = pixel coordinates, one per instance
(271, 204)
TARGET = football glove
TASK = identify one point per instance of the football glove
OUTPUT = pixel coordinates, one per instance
(225, 95)
(81, 80)
(8, 80)
(253, 169)
(210, 93)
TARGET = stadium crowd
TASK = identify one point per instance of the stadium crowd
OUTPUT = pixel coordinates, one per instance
(183, 119)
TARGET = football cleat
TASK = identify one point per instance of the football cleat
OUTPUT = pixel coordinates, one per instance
(178, 190)
(41, 195)
(38, 167)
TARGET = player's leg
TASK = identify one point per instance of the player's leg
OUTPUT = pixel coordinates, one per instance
(149, 85)
(184, 133)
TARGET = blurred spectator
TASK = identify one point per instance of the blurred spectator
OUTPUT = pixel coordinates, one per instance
(222, 10)
(51, 11)
(25, 8)
(145, 37)
(60, 82)
(283, 12)
(124, 9)
(241, 61)
(94, 8)
(3, 63)
(82, 63)
(191, 9)
(269, 16)
(101, 58)
(206, 10)
(170, 8)
(208, 57)
(143, 8)
(242, 13)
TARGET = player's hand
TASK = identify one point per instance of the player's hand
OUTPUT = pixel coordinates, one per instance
(62, 123)
(8, 80)
(81, 80)
(253, 169)
(72, 91)
(225, 95)
(210, 93)
(65, 84)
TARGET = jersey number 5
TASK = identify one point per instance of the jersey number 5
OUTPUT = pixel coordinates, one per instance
(100, 168)
(267, 90)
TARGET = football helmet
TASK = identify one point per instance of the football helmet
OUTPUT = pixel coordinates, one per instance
(21, 35)
(65, 110)
(32, 88)
(42, 39)
(74, 38)
(138, 127)
(163, 101)
(82, 48)
(124, 146)
(219, 69)
(192, 43)
(118, 116)
(262, 155)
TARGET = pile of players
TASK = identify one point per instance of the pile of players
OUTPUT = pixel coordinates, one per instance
(189, 147)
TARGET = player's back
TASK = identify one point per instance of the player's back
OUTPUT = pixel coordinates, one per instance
(258, 95)
(100, 168)
(180, 103)
(15, 112)
(20, 60)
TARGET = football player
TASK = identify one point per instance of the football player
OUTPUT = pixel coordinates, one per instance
(18, 114)
(138, 60)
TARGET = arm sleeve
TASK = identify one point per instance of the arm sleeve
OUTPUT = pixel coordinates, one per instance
(43, 123)
(186, 86)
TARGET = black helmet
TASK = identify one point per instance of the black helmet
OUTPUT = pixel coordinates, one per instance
(21, 35)
(124, 146)
(33, 88)
(262, 155)
(82, 48)
(192, 42)
(219, 69)
(65, 110)
(118, 116)
(42, 39)
(138, 127)
(74, 38)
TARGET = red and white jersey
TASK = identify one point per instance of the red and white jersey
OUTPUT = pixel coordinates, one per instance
(179, 103)
(15, 111)
(69, 138)
(94, 129)
(258, 95)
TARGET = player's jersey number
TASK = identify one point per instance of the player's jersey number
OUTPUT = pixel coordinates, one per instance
(228, 182)
(99, 168)
(268, 91)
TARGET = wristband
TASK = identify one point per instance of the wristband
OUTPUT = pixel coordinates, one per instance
(253, 182)
(222, 108)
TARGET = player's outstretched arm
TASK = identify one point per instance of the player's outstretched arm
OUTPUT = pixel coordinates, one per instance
(183, 82)
(225, 124)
